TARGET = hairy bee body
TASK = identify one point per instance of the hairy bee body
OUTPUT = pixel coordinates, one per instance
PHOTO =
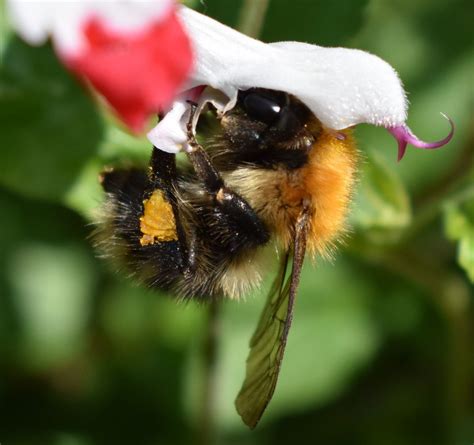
(203, 232)
(324, 182)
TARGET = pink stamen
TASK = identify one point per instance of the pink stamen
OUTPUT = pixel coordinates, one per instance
(405, 136)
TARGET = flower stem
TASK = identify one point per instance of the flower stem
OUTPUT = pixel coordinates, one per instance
(210, 352)
(252, 17)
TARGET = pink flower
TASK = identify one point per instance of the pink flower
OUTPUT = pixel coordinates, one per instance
(342, 87)
(135, 53)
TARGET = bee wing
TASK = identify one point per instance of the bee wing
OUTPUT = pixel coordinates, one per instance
(267, 345)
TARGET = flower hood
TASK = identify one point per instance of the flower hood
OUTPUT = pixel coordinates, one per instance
(342, 87)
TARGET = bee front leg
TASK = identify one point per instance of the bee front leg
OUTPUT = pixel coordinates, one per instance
(229, 202)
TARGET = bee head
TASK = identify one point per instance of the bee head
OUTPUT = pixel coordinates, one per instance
(264, 119)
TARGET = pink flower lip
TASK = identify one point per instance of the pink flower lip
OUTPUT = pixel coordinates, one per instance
(405, 136)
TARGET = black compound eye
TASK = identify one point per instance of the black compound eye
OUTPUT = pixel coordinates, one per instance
(261, 108)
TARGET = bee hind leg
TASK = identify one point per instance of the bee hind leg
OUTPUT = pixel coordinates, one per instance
(141, 228)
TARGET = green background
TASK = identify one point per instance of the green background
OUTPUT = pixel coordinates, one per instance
(381, 349)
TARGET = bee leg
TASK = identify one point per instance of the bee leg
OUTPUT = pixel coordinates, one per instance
(202, 164)
(135, 197)
(162, 168)
(230, 203)
(163, 175)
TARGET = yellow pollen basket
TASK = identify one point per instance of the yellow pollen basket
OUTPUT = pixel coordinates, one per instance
(158, 222)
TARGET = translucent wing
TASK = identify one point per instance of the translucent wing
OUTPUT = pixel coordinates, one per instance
(267, 345)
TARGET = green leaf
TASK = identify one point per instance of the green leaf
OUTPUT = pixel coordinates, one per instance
(459, 225)
(47, 276)
(133, 315)
(382, 204)
(52, 299)
(4, 28)
(50, 127)
(224, 11)
(323, 23)
(54, 141)
(466, 253)
(118, 149)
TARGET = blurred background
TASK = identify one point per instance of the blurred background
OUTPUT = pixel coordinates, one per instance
(381, 349)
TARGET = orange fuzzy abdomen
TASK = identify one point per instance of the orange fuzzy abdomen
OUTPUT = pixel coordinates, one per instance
(326, 183)
(330, 177)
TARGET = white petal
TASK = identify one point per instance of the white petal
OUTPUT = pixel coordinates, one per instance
(63, 19)
(342, 87)
(31, 20)
(170, 134)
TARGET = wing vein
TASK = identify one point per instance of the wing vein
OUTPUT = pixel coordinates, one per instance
(268, 343)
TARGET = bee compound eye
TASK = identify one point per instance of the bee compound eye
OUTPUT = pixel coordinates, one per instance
(261, 108)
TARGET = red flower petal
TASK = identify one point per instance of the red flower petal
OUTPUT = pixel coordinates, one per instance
(138, 73)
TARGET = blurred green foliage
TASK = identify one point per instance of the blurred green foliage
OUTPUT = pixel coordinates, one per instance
(381, 347)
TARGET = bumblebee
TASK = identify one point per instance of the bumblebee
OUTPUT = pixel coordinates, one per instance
(272, 176)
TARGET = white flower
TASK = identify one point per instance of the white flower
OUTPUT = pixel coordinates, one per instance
(342, 87)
